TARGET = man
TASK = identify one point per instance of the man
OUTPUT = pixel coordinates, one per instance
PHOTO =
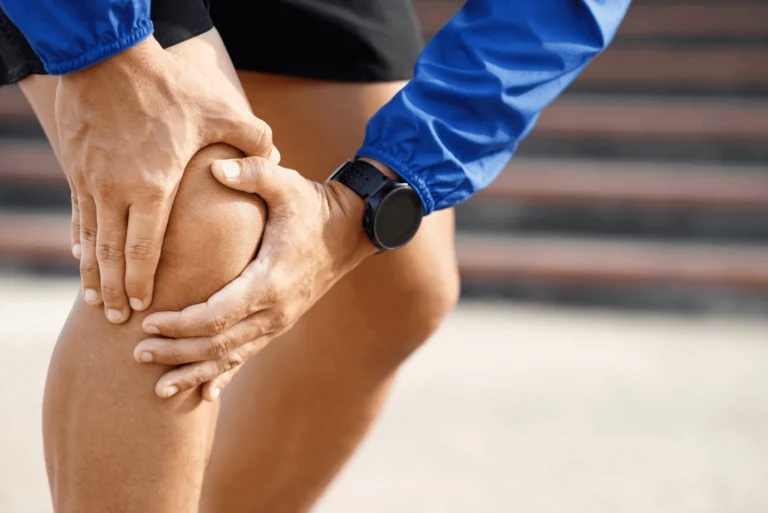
(126, 118)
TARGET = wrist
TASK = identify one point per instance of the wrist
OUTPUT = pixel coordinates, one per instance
(347, 209)
(389, 211)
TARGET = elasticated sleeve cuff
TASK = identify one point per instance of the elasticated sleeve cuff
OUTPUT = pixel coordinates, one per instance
(72, 35)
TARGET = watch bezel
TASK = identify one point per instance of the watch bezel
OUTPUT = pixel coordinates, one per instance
(376, 207)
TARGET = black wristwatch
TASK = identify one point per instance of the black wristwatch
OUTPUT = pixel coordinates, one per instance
(393, 211)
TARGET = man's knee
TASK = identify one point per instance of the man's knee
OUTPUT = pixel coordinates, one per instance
(427, 307)
(212, 234)
(408, 313)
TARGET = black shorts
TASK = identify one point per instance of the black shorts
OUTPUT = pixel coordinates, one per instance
(340, 40)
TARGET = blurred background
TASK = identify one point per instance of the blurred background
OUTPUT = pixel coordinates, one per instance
(610, 352)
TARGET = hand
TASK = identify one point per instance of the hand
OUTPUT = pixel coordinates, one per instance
(128, 126)
(313, 236)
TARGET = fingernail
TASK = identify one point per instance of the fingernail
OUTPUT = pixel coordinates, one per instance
(114, 315)
(151, 329)
(215, 393)
(146, 357)
(91, 296)
(136, 304)
(274, 155)
(230, 168)
(76, 250)
(171, 391)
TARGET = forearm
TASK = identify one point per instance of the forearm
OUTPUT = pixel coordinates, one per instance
(74, 34)
(479, 88)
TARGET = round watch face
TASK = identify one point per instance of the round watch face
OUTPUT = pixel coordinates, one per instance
(398, 218)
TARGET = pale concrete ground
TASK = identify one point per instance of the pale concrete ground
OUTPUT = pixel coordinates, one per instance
(508, 409)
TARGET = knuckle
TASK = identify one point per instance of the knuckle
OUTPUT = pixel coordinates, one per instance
(88, 234)
(232, 360)
(88, 267)
(277, 293)
(197, 379)
(155, 191)
(219, 346)
(176, 357)
(140, 249)
(217, 324)
(252, 305)
(109, 252)
(111, 294)
(265, 135)
(280, 318)
(272, 293)
(105, 186)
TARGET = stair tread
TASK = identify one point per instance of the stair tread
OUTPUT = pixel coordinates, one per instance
(641, 183)
(694, 67)
(14, 106)
(662, 118)
(614, 261)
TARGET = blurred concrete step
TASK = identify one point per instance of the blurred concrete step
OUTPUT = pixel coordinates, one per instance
(14, 108)
(35, 238)
(701, 120)
(647, 200)
(669, 223)
(646, 184)
(45, 238)
(616, 263)
(29, 163)
(660, 67)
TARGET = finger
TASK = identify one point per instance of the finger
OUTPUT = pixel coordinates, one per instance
(212, 389)
(192, 375)
(89, 265)
(244, 131)
(146, 228)
(254, 331)
(110, 252)
(223, 310)
(75, 234)
(257, 175)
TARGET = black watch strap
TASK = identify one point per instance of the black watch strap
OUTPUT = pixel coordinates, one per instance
(362, 177)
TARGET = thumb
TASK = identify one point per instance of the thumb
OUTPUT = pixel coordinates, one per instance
(256, 175)
(248, 134)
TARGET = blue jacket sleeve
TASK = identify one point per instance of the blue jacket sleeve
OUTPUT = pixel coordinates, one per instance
(479, 87)
(69, 35)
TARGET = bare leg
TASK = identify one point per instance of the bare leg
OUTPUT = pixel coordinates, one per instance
(110, 443)
(293, 416)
